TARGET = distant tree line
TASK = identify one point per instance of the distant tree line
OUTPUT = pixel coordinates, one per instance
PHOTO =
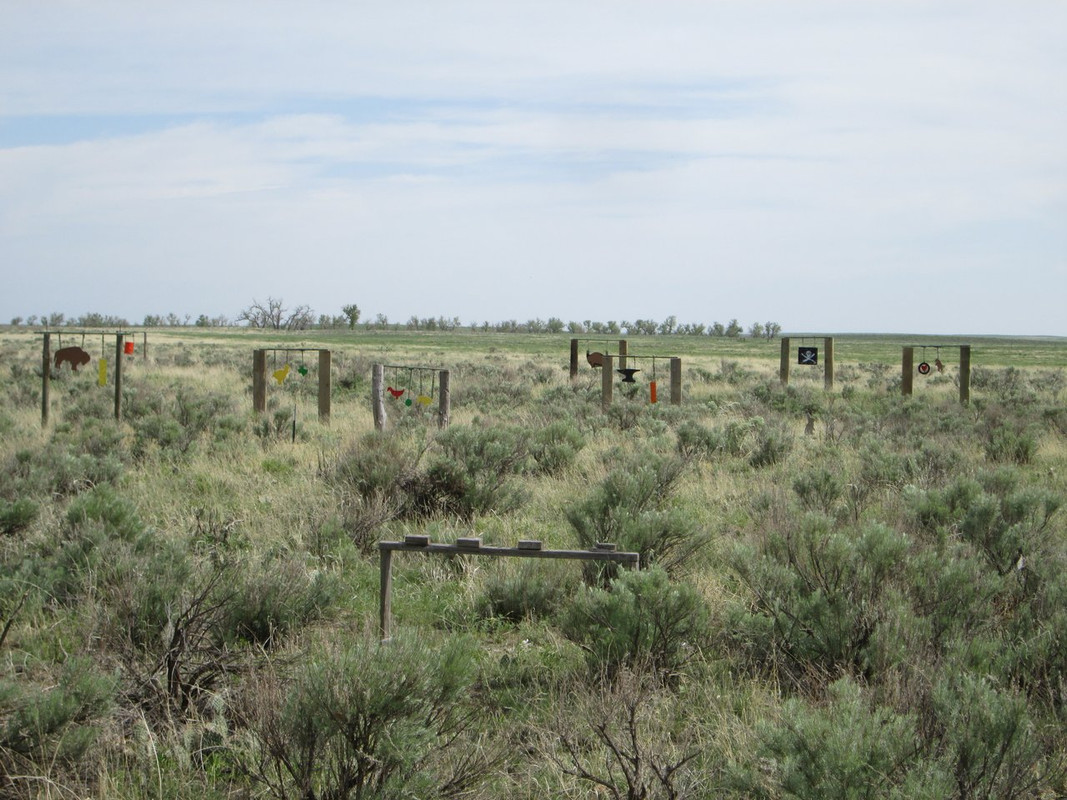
(273, 314)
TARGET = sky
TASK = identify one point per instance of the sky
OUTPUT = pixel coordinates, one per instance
(860, 166)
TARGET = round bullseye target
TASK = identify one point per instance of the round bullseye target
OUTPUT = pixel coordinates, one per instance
(924, 368)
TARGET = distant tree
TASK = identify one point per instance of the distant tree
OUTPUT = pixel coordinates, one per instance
(381, 321)
(612, 326)
(575, 327)
(755, 331)
(351, 311)
(554, 325)
(717, 329)
(733, 329)
(152, 321)
(696, 329)
(771, 329)
(274, 315)
(668, 325)
(16, 321)
(31, 320)
(53, 320)
(203, 321)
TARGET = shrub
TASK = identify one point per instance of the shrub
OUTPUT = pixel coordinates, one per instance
(818, 490)
(842, 750)
(630, 508)
(554, 447)
(818, 595)
(535, 591)
(472, 472)
(643, 618)
(368, 721)
(17, 515)
(1005, 445)
(773, 443)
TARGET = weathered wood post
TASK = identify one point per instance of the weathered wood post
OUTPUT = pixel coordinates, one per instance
(118, 375)
(46, 378)
(574, 359)
(965, 374)
(144, 345)
(676, 381)
(622, 354)
(907, 365)
(828, 363)
(377, 396)
(325, 385)
(385, 594)
(444, 400)
(259, 381)
(783, 366)
(607, 381)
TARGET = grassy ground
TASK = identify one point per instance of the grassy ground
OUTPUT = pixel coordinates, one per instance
(845, 593)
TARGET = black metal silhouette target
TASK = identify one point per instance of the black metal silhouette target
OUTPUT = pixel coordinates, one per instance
(808, 356)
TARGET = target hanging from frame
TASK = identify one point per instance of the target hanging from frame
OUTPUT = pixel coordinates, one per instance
(808, 356)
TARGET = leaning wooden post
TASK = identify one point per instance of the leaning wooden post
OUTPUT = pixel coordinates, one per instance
(622, 354)
(783, 367)
(325, 385)
(574, 359)
(676, 381)
(828, 363)
(607, 381)
(46, 377)
(907, 364)
(259, 381)
(965, 374)
(444, 399)
(385, 594)
(377, 396)
(118, 375)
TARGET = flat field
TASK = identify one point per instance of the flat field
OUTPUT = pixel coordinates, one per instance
(841, 592)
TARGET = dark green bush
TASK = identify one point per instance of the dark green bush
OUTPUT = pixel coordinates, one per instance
(472, 472)
(818, 595)
(642, 619)
(631, 508)
(369, 721)
(534, 591)
(43, 726)
(17, 515)
(818, 490)
(844, 749)
(554, 447)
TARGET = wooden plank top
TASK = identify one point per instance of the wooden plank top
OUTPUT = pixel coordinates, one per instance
(599, 554)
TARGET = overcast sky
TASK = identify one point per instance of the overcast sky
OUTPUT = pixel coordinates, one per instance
(832, 166)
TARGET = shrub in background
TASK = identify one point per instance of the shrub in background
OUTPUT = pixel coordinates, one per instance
(643, 619)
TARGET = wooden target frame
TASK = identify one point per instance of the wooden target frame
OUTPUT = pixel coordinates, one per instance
(908, 369)
(827, 360)
(259, 378)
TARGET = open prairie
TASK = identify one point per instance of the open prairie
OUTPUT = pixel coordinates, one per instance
(843, 592)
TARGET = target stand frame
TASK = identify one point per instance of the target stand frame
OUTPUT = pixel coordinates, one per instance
(259, 378)
(827, 359)
(907, 369)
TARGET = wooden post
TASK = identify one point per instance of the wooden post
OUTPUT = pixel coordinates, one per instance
(325, 386)
(259, 381)
(144, 345)
(46, 378)
(965, 374)
(607, 381)
(444, 400)
(118, 375)
(622, 354)
(828, 363)
(676, 381)
(385, 596)
(574, 359)
(377, 396)
(907, 364)
(783, 367)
